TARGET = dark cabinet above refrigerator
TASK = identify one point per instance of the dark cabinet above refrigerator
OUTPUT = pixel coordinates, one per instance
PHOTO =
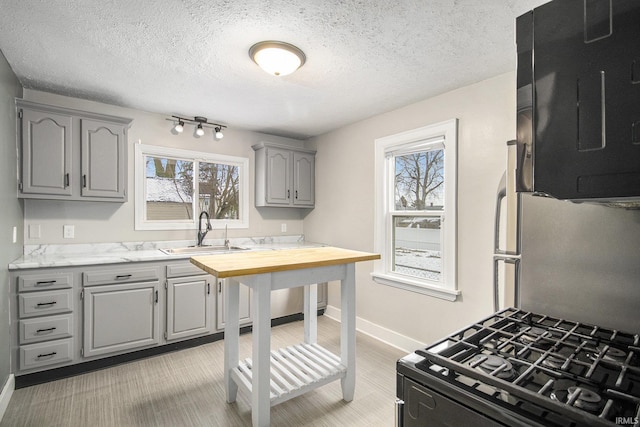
(578, 96)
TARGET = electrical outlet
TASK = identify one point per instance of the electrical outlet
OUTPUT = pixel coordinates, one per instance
(68, 231)
(283, 228)
(34, 231)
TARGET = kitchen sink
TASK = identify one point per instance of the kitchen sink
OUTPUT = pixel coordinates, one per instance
(189, 250)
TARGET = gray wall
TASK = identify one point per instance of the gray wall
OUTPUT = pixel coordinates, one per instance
(345, 203)
(10, 207)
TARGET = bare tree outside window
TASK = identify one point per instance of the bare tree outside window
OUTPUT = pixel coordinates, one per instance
(419, 180)
(170, 189)
(419, 186)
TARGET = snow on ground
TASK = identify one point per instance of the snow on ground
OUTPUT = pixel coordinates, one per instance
(419, 263)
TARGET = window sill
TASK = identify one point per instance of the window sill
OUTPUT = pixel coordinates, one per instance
(416, 286)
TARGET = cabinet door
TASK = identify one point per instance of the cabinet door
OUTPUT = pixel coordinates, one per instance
(278, 180)
(46, 153)
(245, 305)
(120, 317)
(189, 306)
(303, 179)
(103, 151)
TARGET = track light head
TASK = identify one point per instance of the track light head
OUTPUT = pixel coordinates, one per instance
(218, 132)
(179, 127)
(199, 130)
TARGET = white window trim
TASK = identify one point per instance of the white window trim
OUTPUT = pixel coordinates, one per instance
(383, 272)
(142, 150)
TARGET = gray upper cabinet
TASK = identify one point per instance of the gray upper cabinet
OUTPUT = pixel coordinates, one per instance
(46, 153)
(68, 154)
(103, 150)
(285, 176)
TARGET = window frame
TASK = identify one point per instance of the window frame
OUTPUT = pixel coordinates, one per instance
(143, 150)
(385, 150)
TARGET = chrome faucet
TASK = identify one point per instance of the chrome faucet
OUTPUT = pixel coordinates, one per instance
(201, 233)
(226, 238)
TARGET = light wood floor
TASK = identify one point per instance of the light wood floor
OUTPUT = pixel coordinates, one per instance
(185, 388)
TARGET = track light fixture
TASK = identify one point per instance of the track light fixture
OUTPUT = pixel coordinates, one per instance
(200, 124)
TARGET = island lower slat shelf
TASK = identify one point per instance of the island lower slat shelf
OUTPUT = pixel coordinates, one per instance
(294, 371)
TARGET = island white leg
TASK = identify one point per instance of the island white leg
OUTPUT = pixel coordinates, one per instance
(261, 369)
(311, 314)
(348, 332)
(231, 336)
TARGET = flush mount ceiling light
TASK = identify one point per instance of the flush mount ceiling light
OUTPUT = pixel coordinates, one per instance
(200, 124)
(277, 58)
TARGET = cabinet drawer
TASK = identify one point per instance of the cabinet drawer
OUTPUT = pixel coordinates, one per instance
(183, 269)
(47, 353)
(45, 281)
(120, 275)
(43, 303)
(45, 328)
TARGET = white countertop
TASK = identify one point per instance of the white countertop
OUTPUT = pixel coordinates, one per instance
(40, 256)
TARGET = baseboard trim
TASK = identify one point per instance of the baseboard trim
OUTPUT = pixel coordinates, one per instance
(378, 332)
(5, 395)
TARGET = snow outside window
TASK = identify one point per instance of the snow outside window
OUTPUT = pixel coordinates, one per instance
(416, 210)
(173, 186)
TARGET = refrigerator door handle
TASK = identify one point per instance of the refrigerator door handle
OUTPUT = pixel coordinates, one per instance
(500, 255)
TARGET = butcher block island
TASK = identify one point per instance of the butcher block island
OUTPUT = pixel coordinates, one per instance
(272, 377)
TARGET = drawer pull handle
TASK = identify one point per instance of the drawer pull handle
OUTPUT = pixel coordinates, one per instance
(53, 353)
(46, 283)
(46, 330)
(42, 304)
(123, 276)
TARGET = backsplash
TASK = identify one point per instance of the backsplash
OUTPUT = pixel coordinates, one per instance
(104, 248)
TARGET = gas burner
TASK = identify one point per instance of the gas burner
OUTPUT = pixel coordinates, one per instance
(535, 335)
(553, 362)
(490, 363)
(579, 397)
(611, 355)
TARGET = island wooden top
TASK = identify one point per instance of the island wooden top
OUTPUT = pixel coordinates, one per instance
(258, 262)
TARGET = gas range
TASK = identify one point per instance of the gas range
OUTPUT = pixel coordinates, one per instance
(520, 368)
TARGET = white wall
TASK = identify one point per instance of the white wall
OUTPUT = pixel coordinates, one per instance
(114, 222)
(10, 210)
(345, 204)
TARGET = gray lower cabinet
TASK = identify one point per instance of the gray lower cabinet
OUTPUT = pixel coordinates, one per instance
(245, 305)
(189, 302)
(68, 315)
(45, 319)
(121, 309)
(69, 154)
(122, 317)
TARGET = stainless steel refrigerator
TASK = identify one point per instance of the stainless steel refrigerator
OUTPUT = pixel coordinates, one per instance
(577, 261)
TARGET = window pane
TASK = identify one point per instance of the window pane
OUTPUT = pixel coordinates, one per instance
(219, 189)
(416, 247)
(168, 189)
(419, 180)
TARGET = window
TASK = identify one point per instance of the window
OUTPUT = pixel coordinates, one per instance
(416, 210)
(173, 186)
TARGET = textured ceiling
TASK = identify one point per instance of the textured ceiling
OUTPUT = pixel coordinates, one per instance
(364, 57)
